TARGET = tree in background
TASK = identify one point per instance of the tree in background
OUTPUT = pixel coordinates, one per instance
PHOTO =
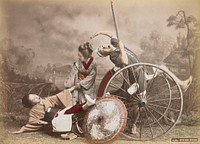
(155, 47)
(18, 58)
(17, 63)
(191, 40)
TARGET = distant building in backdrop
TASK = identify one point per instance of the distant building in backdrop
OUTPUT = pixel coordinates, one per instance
(177, 63)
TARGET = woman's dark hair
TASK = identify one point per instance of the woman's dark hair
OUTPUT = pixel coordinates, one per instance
(26, 102)
(86, 46)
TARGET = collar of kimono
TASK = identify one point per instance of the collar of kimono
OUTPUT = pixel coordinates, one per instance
(87, 65)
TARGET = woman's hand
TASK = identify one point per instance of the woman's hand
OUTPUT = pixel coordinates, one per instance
(78, 86)
(71, 88)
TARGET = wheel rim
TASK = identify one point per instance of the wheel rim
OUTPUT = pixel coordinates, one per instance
(158, 112)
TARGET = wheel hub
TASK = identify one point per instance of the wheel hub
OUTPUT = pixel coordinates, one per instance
(142, 102)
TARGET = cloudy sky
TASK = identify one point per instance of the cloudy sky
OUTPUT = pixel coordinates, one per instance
(55, 28)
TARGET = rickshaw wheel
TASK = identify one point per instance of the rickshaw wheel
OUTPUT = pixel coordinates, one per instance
(105, 121)
(149, 111)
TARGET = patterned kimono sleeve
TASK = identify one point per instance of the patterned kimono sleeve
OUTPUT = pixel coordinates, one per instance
(89, 81)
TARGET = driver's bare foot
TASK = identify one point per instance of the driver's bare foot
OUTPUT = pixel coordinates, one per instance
(134, 130)
(185, 84)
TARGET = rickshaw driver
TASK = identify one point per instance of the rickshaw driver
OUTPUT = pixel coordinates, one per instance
(122, 56)
(118, 55)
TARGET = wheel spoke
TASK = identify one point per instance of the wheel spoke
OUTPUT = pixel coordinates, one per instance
(164, 99)
(146, 107)
(125, 79)
(164, 107)
(139, 68)
(151, 82)
(164, 86)
(116, 86)
(128, 108)
(134, 73)
(134, 103)
(160, 94)
(140, 122)
(160, 114)
(162, 91)
(148, 123)
(120, 97)
(117, 80)
(136, 97)
(126, 98)
(132, 100)
(150, 97)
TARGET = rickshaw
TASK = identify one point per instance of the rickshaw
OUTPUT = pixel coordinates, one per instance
(159, 109)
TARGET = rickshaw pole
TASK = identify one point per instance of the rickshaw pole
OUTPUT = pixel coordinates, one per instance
(115, 19)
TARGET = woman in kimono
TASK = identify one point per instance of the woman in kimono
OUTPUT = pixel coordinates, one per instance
(40, 107)
(83, 75)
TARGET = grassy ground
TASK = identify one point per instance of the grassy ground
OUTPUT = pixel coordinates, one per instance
(52, 138)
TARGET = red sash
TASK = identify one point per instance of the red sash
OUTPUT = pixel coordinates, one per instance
(83, 74)
(87, 65)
